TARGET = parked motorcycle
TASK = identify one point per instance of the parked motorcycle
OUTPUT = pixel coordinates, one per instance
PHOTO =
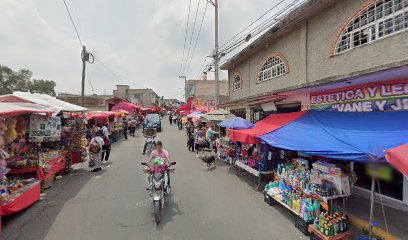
(158, 189)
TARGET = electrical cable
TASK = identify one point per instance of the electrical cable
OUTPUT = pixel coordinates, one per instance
(192, 34)
(263, 26)
(255, 31)
(252, 23)
(185, 37)
(73, 23)
(109, 70)
(198, 36)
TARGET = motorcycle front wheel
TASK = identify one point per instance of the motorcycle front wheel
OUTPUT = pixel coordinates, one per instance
(157, 208)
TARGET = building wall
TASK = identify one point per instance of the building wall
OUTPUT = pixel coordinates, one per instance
(205, 89)
(145, 97)
(307, 51)
(322, 30)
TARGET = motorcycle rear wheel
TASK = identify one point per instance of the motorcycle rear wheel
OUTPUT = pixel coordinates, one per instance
(157, 209)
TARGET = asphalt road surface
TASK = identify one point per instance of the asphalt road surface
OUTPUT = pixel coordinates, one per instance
(113, 204)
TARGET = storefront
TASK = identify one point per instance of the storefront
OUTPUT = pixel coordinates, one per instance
(355, 96)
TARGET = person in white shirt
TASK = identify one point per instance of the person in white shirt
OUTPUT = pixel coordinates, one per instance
(95, 150)
(106, 149)
(105, 130)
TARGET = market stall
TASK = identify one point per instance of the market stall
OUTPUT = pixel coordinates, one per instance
(247, 138)
(59, 108)
(341, 137)
(20, 186)
(226, 147)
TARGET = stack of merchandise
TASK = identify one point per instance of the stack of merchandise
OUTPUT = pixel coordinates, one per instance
(17, 186)
(46, 156)
(300, 203)
(74, 134)
(22, 155)
(74, 137)
(4, 195)
(331, 224)
(323, 181)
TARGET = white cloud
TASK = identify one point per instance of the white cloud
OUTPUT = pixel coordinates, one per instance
(142, 41)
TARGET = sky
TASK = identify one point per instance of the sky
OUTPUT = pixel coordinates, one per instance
(139, 42)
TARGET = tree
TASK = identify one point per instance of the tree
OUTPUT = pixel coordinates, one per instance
(43, 86)
(11, 81)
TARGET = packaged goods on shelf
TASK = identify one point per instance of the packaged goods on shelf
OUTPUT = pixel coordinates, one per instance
(331, 224)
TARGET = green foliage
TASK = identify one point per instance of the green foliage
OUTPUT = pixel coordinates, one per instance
(11, 81)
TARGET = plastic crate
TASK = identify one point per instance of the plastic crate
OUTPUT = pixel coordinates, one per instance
(314, 237)
(303, 225)
(269, 200)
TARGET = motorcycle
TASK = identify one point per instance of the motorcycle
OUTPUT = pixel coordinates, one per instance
(150, 135)
(158, 189)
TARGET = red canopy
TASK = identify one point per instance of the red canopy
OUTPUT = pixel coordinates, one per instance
(8, 109)
(269, 124)
(398, 157)
(187, 106)
(155, 109)
(127, 106)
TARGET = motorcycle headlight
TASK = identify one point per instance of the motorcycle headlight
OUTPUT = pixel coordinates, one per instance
(157, 184)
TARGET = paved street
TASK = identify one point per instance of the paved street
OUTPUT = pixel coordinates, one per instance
(113, 204)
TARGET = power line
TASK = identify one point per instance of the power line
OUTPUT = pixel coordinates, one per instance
(255, 31)
(185, 37)
(252, 23)
(262, 26)
(192, 34)
(109, 70)
(198, 36)
(202, 68)
(73, 23)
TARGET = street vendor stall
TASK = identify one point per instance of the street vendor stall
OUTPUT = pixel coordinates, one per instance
(20, 186)
(248, 138)
(345, 137)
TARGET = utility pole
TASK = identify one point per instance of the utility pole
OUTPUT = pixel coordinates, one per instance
(185, 87)
(85, 58)
(216, 55)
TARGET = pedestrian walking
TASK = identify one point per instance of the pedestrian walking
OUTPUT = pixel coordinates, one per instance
(170, 119)
(125, 128)
(198, 141)
(106, 148)
(190, 137)
(174, 119)
(95, 149)
(133, 125)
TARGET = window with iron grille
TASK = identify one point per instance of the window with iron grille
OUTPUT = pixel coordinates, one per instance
(380, 19)
(236, 84)
(272, 68)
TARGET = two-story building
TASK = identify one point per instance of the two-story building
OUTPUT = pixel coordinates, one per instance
(348, 55)
(203, 91)
(144, 97)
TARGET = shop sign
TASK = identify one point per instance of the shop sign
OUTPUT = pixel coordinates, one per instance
(373, 97)
(44, 129)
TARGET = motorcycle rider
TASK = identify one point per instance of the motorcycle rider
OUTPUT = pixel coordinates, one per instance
(160, 152)
(149, 132)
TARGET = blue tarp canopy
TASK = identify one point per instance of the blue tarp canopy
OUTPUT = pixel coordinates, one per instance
(236, 123)
(346, 136)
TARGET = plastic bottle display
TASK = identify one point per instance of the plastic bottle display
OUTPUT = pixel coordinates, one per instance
(331, 224)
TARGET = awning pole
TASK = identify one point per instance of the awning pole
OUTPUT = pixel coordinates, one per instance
(372, 205)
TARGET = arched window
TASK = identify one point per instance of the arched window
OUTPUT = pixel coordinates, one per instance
(377, 20)
(237, 82)
(273, 67)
